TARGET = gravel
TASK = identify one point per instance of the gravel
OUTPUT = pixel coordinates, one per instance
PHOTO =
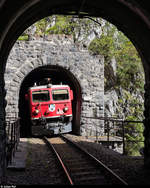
(41, 167)
(131, 169)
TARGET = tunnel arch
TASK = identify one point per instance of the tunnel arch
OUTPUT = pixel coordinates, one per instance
(131, 17)
(57, 74)
(37, 9)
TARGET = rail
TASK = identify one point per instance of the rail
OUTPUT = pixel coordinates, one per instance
(81, 167)
(110, 173)
(69, 180)
(119, 131)
(12, 136)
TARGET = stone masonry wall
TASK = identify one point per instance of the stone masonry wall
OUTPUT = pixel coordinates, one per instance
(58, 50)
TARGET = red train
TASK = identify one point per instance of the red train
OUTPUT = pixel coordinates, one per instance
(50, 108)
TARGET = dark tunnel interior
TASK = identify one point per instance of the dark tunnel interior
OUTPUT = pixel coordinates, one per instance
(58, 75)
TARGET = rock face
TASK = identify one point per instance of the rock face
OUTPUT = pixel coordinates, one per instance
(59, 50)
(111, 103)
(120, 102)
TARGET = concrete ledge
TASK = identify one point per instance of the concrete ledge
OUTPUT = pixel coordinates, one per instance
(19, 160)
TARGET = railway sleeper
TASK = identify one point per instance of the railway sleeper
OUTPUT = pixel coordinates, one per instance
(70, 166)
(97, 180)
(71, 156)
(82, 168)
(80, 162)
(86, 173)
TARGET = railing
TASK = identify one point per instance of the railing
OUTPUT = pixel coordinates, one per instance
(127, 133)
(12, 136)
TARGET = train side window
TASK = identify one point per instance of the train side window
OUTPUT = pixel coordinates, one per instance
(40, 96)
(60, 94)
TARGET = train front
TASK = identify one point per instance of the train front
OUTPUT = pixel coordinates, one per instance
(51, 109)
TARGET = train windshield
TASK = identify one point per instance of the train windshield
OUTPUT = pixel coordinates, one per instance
(40, 96)
(60, 94)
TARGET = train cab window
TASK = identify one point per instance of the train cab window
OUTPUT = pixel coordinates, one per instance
(60, 94)
(40, 96)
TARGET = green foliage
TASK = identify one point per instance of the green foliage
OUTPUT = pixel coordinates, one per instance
(103, 46)
(133, 131)
(63, 26)
(130, 72)
(134, 137)
(41, 26)
(23, 37)
(131, 105)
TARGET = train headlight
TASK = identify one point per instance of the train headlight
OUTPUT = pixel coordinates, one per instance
(65, 109)
(36, 111)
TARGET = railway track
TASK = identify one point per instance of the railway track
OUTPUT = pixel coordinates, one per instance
(80, 167)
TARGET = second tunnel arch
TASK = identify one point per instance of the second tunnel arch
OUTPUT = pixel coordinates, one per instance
(57, 74)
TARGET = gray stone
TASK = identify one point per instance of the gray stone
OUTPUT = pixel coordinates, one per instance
(59, 50)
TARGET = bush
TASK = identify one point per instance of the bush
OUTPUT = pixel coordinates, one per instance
(133, 137)
(102, 46)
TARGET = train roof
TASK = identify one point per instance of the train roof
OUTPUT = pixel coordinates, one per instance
(48, 86)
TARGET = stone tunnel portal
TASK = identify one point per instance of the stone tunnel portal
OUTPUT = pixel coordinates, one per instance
(57, 75)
